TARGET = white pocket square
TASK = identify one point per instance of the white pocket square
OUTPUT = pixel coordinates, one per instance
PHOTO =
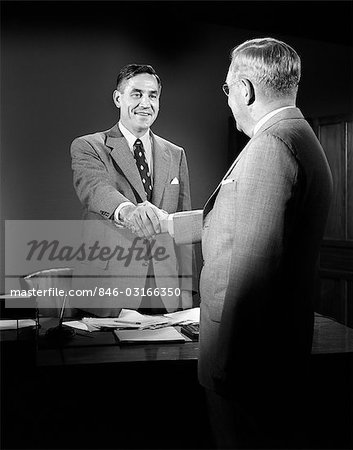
(227, 180)
(174, 181)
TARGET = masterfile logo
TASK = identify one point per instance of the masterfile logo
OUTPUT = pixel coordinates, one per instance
(35, 245)
(53, 251)
(107, 262)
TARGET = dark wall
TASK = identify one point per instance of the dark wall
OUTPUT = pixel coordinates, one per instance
(59, 64)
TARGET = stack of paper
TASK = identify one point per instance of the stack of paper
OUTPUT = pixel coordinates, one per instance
(184, 317)
(131, 319)
(14, 324)
(127, 319)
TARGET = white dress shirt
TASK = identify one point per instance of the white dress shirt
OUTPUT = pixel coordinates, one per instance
(146, 141)
(268, 116)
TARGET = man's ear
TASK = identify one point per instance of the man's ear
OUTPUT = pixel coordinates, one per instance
(248, 91)
(116, 98)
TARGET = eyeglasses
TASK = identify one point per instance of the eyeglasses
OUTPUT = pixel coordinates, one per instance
(226, 87)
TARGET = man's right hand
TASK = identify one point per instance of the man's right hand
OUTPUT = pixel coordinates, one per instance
(143, 219)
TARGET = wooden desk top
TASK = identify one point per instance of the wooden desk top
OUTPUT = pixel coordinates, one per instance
(330, 337)
(103, 348)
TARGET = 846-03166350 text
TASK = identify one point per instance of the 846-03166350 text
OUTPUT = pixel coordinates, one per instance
(100, 292)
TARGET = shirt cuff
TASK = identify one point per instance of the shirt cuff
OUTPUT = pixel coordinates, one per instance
(117, 211)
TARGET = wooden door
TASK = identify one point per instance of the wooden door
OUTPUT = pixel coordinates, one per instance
(336, 259)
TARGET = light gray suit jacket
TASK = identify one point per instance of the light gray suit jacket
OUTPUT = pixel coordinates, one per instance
(261, 235)
(105, 175)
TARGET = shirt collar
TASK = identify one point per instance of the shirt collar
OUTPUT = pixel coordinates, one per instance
(131, 139)
(268, 116)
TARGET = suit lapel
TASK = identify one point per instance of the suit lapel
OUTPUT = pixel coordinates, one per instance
(161, 168)
(123, 156)
(212, 198)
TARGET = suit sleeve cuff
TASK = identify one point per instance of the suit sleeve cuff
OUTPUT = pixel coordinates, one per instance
(117, 212)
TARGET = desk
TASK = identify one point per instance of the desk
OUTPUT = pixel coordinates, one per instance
(95, 394)
(101, 347)
(330, 337)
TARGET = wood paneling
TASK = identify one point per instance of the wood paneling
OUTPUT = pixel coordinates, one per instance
(332, 138)
(336, 259)
(336, 256)
(349, 157)
(332, 298)
(350, 305)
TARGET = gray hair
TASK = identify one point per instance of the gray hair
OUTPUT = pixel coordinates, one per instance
(271, 64)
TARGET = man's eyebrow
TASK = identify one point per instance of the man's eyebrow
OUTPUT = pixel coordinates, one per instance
(152, 91)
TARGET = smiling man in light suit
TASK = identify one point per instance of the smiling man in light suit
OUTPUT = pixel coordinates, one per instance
(261, 231)
(120, 176)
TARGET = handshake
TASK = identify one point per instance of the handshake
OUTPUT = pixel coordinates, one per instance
(145, 219)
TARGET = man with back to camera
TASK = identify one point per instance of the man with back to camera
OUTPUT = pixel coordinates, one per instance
(261, 231)
(119, 175)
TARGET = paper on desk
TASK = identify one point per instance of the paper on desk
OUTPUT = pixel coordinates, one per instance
(77, 324)
(127, 319)
(96, 323)
(131, 315)
(132, 319)
(184, 317)
(13, 324)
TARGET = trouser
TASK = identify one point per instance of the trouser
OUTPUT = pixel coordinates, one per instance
(264, 424)
(231, 427)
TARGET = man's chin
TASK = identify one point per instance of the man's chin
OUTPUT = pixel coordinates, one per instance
(238, 126)
(144, 122)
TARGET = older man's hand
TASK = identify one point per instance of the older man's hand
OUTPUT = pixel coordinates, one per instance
(143, 219)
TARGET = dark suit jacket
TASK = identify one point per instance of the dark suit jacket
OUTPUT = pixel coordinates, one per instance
(105, 175)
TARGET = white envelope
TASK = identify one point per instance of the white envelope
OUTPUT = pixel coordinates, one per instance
(174, 181)
(227, 180)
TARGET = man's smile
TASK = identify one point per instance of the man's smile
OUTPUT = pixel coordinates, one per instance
(142, 113)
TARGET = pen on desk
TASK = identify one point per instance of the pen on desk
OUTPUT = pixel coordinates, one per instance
(127, 322)
(102, 322)
(98, 320)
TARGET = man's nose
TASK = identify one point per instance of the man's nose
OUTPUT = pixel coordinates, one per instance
(145, 101)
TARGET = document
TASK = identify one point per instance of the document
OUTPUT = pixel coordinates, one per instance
(185, 317)
(128, 318)
(77, 325)
(131, 319)
(186, 226)
(166, 334)
(14, 324)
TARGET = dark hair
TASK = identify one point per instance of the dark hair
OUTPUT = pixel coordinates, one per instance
(132, 70)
